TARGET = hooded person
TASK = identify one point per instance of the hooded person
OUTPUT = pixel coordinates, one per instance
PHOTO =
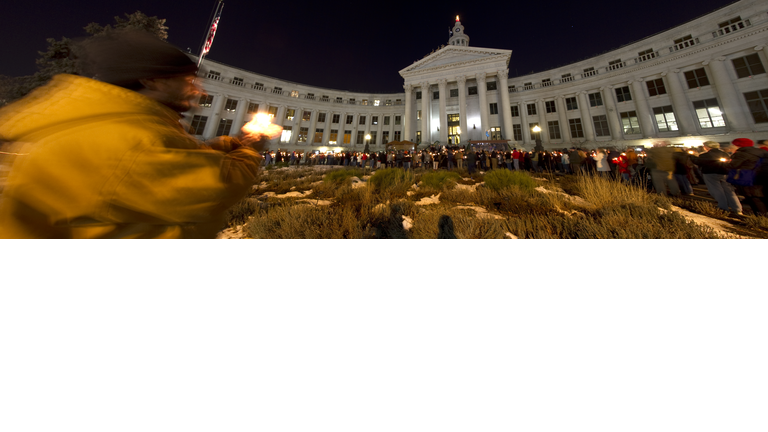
(749, 157)
(713, 168)
(106, 155)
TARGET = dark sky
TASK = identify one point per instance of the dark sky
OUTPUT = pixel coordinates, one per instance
(357, 46)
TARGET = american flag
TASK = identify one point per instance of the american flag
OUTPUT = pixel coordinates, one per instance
(211, 34)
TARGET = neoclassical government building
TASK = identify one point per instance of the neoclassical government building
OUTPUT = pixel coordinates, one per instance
(703, 80)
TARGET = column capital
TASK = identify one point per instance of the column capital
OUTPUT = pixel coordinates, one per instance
(759, 47)
(480, 77)
(424, 85)
(442, 83)
(461, 79)
(606, 87)
(408, 88)
(721, 59)
(503, 73)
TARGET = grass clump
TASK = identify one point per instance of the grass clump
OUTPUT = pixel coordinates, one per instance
(341, 175)
(239, 213)
(440, 180)
(500, 179)
(394, 181)
(306, 222)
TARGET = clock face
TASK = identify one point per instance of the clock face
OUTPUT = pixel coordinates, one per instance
(458, 30)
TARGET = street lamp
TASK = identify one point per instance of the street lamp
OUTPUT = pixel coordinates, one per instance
(537, 130)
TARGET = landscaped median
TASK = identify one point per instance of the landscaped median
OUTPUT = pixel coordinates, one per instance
(304, 203)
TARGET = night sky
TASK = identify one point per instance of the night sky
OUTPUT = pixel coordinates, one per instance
(357, 46)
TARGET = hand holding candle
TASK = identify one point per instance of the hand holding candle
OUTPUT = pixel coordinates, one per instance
(260, 130)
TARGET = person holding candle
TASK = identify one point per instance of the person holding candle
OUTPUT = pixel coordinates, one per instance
(108, 156)
(712, 163)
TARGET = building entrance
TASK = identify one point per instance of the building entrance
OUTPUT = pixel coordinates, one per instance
(454, 132)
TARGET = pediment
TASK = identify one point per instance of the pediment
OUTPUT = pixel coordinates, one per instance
(454, 56)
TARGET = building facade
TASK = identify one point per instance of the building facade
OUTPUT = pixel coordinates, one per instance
(703, 80)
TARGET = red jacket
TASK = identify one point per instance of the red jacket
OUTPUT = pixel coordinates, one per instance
(623, 163)
(515, 154)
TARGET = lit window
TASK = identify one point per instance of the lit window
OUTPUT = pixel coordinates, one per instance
(709, 114)
(295, 94)
(290, 114)
(286, 136)
(665, 118)
(303, 132)
(630, 123)
(306, 115)
(231, 105)
(206, 101)
(253, 108)
(376, 102)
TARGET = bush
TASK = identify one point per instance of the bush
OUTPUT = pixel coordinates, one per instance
(500, 179)
(341, 175)
(239, 213)
(440, 180)
(305, 222)
(395, 181)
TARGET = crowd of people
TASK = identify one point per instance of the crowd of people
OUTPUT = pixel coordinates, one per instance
(664, 168)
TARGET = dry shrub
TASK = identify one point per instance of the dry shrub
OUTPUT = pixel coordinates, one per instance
(392, 182)
(500, 179)
(239, 213)
(629, 221)
(305, 222)
(339, 176)
(756, 222)
(466, 224)
(440, 180)
(603, 192)
(701, 207)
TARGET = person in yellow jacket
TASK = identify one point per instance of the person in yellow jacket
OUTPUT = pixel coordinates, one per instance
(109, 158)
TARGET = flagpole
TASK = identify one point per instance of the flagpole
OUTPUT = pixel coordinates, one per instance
(210, 32)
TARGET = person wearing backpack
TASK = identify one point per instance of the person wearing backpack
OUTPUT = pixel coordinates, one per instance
(749, 157)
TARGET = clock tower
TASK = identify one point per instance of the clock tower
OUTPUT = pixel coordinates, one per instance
(459, 38)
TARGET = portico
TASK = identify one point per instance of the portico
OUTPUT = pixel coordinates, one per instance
(458, 80)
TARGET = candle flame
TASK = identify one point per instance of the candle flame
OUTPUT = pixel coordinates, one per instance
(457, 18)
(262, 125)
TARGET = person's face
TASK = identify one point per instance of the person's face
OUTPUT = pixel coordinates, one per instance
(179, 93)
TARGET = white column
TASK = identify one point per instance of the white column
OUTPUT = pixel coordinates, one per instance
(213, 120)
(462, 80)
(280, 120)
(408, 121)
(610, 112)
(680, 104)
(565, 129)
(586, 118)
(327, 127)
(312, 126)
(732, 106)
(297, 115)
(523, 107)
(242, 107)
(368, 120)
(355, 120)
(643, 109)
(482, 90)
(542, 107)
(426, 134)
(506, 110)
(443, 123)
(380, 126)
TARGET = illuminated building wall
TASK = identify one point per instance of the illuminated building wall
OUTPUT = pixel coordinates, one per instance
(703, 80)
